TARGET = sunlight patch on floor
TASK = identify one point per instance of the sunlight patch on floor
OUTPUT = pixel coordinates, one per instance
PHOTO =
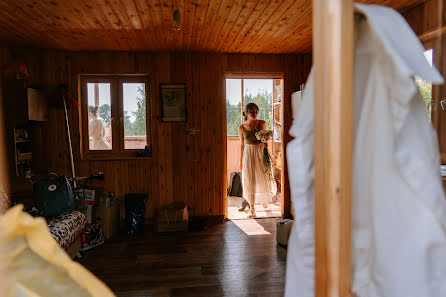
(250, 227)
(273, 211)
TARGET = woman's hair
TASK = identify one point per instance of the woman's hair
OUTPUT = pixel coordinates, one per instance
(249, 107)
(93, 109)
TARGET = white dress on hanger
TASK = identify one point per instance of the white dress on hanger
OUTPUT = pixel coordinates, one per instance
(398, 207)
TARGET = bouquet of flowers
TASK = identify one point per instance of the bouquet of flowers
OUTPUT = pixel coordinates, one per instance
(264, 136)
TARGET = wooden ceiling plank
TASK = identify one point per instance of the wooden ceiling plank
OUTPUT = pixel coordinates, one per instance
(190, 10)
(211, 15)
(292, 31)
(17, 21)
(122, 26)
(110, 23)
(200, 16)
(215, 25)
(14, 28)
(301, 42)
(155, 12)
(247, 9)
(23, 15)
(12, 24)
(259, 23)
(293, 42)
(291, 16)
(109, 18)
(41, 10)
(287, 21)
(96, 25)
(178, 36)
(220, 20)
(167, 17)
(254, 15)
(121, 8)
(304, 38)
(150, 37)
(75, 15)
(257, 34)
(236, 9)
(133, 14)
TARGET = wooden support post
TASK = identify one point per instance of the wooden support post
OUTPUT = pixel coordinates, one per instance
(333, 133)
(5, 182)
(96, 95)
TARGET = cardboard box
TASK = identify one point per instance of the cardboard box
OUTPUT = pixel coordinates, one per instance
(108, 218)
(173, 218)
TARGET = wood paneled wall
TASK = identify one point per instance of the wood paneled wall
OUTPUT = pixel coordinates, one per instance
(4, 170)
(427, 16)
(184, 167)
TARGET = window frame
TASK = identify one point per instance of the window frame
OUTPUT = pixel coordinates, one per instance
(116, 81)
(247, 76)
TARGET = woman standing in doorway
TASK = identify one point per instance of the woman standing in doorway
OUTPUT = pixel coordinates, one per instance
(96, 130)
(257, 186)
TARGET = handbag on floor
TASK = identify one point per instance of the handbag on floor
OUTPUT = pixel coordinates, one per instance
(235, 185)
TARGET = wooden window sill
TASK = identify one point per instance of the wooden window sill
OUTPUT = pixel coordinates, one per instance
(111, 158)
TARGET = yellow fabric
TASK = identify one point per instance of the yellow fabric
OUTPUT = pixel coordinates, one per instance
(36, 266)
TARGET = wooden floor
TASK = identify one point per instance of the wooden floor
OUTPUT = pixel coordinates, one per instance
(235, 259)
(272, 211)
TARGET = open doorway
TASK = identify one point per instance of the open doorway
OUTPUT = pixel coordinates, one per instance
(267, 94)
(425, 87)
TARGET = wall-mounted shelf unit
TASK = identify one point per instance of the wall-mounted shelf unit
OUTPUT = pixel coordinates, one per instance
(22, 152)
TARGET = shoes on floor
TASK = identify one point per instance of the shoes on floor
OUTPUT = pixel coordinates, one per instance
(244, 205)
(252, 214)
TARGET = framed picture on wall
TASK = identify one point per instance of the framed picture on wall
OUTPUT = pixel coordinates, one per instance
(173, 102)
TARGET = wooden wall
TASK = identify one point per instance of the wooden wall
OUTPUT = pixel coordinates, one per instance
(184, 167)
(427, 16)
(4, 171)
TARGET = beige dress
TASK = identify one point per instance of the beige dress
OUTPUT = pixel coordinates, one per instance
(96, 130)
(257, 186)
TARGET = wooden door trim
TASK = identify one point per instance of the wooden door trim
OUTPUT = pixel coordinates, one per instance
(333, 58)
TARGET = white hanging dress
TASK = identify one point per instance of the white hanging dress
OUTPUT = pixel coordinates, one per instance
(398, 207)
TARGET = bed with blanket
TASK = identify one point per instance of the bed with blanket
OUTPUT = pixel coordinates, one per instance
(66, 229)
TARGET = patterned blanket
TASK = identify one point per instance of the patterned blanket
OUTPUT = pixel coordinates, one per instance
(67, 227)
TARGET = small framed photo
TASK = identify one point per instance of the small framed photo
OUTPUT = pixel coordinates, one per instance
(173, 102)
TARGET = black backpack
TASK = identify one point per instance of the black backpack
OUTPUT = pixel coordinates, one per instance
(235, 185)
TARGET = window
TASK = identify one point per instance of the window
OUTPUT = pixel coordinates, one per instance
(240, 92)
(426, 87)
(115, 116)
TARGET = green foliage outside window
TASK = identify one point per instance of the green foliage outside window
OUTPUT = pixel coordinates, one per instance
(426, 91)
(138, 126)
(234, 112)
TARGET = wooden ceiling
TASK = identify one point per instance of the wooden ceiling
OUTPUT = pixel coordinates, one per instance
(230, 26)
